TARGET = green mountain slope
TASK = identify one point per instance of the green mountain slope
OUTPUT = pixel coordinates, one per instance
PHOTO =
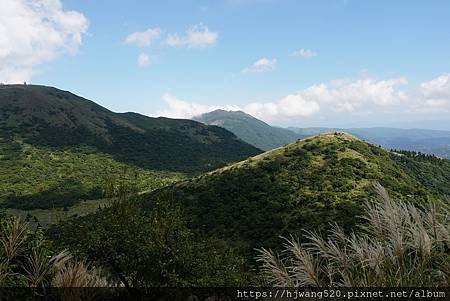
(249, 129)
(432, 171)
(40, 177)
(303, 186)
(45, 116)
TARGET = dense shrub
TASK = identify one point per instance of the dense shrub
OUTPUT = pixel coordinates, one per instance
(150, 247)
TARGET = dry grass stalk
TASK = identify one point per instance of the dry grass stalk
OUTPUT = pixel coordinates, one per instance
(399, 245)
(29, 260)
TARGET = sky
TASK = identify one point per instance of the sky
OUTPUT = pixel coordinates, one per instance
(337, 63)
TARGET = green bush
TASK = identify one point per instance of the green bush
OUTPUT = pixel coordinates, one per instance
(150, 247)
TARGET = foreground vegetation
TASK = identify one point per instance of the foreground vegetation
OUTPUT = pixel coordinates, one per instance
(400, 245)
(137, 246)
(26, 260)
(150, 247)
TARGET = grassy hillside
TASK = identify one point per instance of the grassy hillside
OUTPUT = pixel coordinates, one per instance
(45, 116)
(249, 129)
(40, 177)
(304, 185)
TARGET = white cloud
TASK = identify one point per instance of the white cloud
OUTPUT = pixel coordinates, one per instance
(181, 109)
(340, 96)
(35, 32)
(366, 100)
(345, 106)
(143, 38)
(262, 65)
(144, 60)
(293, 105)
(437, 103)
(437, 88)
(15, 75)
(349, 94)
(177, 108)
(435, 94)
(289, 106)
(306, 53)
(197, 36)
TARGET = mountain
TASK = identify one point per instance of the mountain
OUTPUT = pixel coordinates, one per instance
(58, 149)
(249, 128)
(45, 116)
(420, 140)
(302, 186)
(229, 212)
(266, 137)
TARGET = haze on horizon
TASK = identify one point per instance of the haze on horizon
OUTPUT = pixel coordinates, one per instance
(340, 63)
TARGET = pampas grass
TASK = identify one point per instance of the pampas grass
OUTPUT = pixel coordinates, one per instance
(12, 238)
(79, 274)
(26, 261)
(399, 245)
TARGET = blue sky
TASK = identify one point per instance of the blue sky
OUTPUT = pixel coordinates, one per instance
(290, 63)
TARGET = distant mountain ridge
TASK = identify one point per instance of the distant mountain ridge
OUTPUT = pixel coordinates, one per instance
(250, 129)
(51, 117)
(266, 137)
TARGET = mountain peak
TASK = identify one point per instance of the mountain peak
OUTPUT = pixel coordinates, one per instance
(323, 140)
(335, 135)
(222, 113)
(248, 128)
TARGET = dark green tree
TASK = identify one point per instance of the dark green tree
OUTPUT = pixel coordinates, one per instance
(151, 246)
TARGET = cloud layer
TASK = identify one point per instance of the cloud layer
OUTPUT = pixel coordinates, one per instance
(35, 32)
(342, 96)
